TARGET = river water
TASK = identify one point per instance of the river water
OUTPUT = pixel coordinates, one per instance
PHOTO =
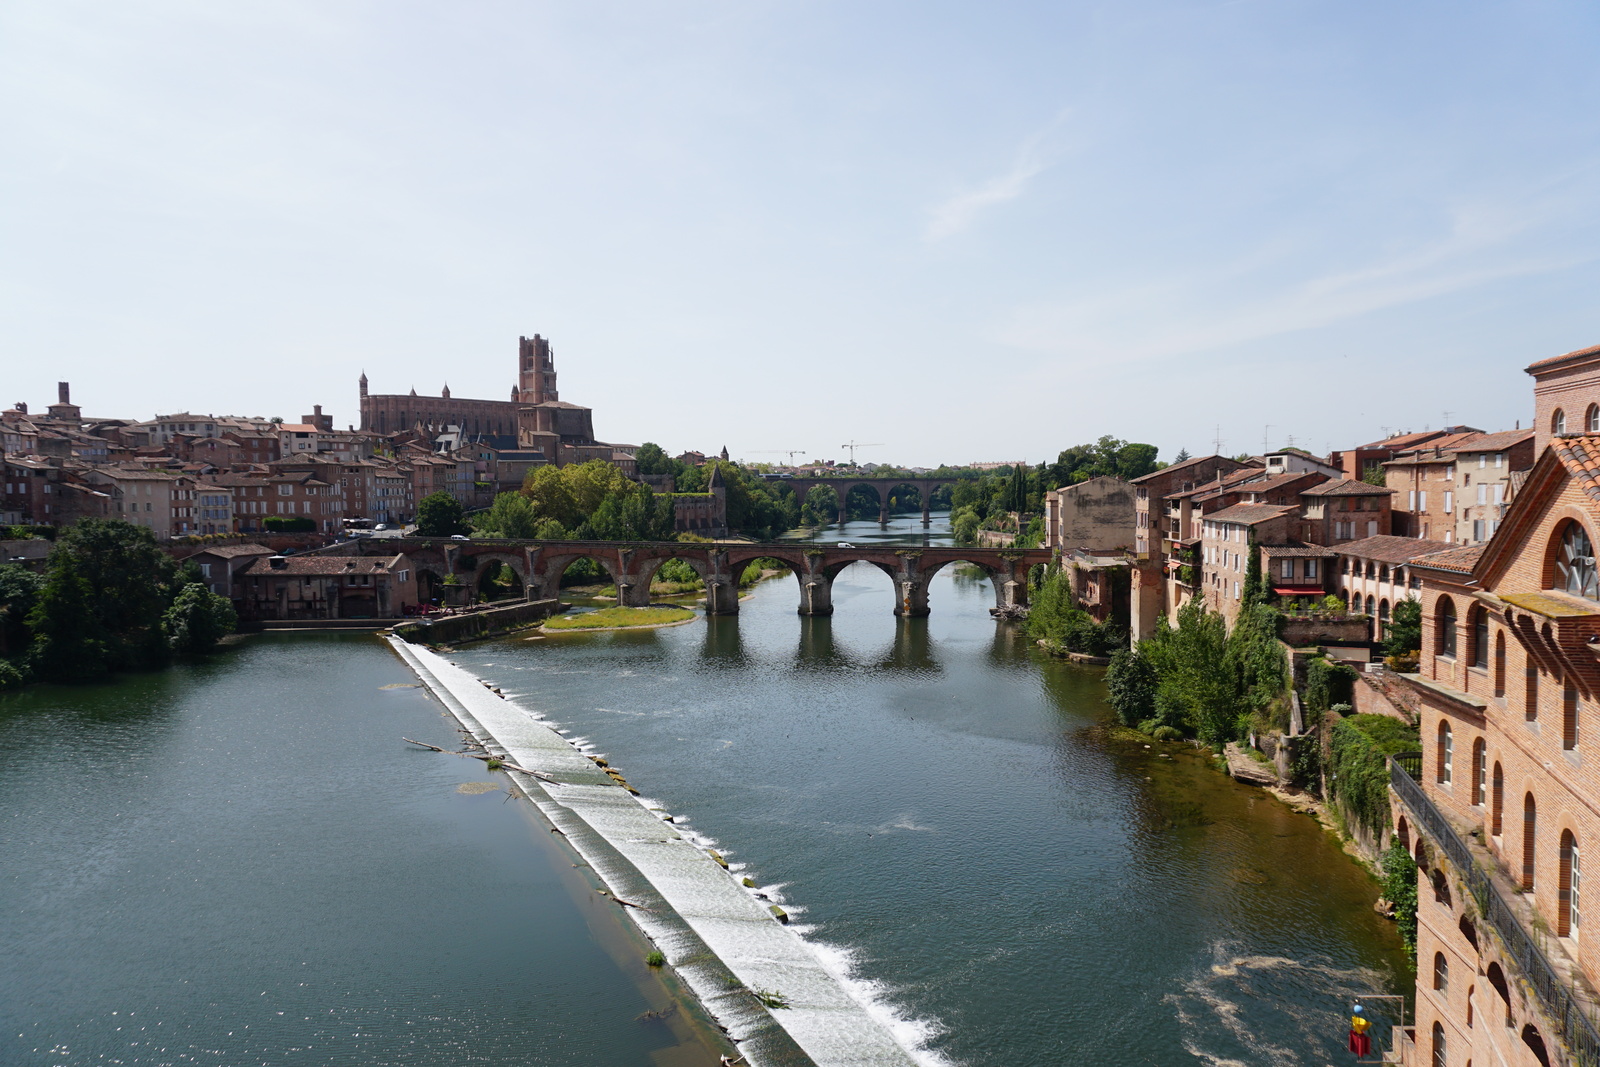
(944, 806)
(242, 863)
(239, 863)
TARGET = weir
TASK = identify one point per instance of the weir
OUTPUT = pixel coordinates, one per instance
(722, 941)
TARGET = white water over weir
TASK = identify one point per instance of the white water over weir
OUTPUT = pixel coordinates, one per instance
(717, 935)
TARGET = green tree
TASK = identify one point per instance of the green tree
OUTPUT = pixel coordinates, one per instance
(68, 640)
(1405, 628)
(198, 619)
(19, 591)
(440, 515)
(131, 583)
(653, 459)
(1256, 591)
(511, 515)
(1257, 660)
(1198, 684)
(1131, 684)
(1400, 889)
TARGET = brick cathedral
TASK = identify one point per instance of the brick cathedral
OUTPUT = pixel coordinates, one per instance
(535, 418)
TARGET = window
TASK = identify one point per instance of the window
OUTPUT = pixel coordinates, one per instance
(1411, 500)
(1445, 625)
(1483, 492)
(1530, 833)
(1497, 794)
(1288, 568)
(1500, 665)
(1445, 754)
(1530, 710)
(1575, 571)
(1449, 501)
(1558, 422)
(1480, 773)
(1441, 973)
(1567, 896)
(1311, 568)
(1499, 492)
(1438, 1047)
(1483, 460)
(1591, 419)
(1480, 636)
(1569, 717)
(1422, 500)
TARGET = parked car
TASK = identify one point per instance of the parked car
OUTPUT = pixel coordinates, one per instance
(459, 537)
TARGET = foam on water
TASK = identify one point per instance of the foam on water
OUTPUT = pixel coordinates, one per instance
(718, 935)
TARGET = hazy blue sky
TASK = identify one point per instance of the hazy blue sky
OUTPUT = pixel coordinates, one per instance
(968, 231)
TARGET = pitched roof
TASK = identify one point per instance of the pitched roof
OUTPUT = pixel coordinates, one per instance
(325, 565)
(1176, 467)
(1497, 442)
(233, 551)
(1574, 356)
(1250, 514)
(1298, 550)
(1456, 559)
(1388, 548)
(1345, 487)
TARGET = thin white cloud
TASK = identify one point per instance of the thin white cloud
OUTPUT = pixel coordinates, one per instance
(957, 213)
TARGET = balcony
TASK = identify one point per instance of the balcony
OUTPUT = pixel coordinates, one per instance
(1567, 1008)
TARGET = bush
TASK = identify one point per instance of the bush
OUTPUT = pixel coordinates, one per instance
(1400, 889)
(1131, 683)
(1358, 773)
(288, 524)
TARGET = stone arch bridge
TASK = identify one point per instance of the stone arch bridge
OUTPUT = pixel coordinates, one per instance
(841, 486)
(539, 566)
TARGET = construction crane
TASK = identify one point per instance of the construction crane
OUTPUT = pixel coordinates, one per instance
(853, 445)
(790, 452)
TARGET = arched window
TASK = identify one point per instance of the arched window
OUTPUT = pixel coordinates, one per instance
(1402, 834)
(1558, 422)
(1530, 834)
(1445, 754)
(1438, 1046)
(1371, 606)
(1500, 665)
(1444, 617)
(1530, 702)
(1535, 1043)
(1575, 570)
(1571, 885)
(1480, 773)
(1383, 615)
(1471, 990)
(1441, 973)
(1591, 419)
(1497, 797)
(1478, 623)
(1441, 887)
(1569, 717)
(1470, 933)
(1383, 572)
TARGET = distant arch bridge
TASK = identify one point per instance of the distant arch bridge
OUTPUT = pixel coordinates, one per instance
(842, 484)
(631, 565)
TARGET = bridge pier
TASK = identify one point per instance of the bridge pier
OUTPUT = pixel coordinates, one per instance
(1011, 587)
(911, 595)
(633, 592)
(722, 595)
(927, 516)
(883, 514)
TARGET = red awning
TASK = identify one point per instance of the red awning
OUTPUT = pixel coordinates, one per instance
(1297, 592)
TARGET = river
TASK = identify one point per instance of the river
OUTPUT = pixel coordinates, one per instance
(943, 805)
(239, 862)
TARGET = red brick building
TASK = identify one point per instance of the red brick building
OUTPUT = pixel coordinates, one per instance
(1503, 813)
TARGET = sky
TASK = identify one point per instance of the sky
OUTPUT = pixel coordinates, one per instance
(953, 232)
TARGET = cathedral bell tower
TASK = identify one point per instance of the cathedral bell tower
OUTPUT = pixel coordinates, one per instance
(536, 370)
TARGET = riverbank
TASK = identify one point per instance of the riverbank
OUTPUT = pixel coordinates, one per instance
(776, 998)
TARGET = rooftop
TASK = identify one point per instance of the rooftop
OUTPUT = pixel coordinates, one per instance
(1575, 356)
(324, 565)
(1461, 560)
(1388, 548)
(1497, 442)
(1345, 487)
(1250, 514)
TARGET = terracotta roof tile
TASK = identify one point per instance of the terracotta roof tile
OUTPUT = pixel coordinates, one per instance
(1345, 487)
(1553, 361)
(314, 565)
(1580, 454)
(1388, 548)
(1497, 442)
(1250, 514)
(1454, 559)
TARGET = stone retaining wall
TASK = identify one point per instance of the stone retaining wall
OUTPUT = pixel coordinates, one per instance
(491, 622)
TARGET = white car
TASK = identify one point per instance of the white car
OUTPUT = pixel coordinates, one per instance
(844, 544)
(459, 537)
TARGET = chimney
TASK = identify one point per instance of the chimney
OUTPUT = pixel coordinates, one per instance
(64, 392)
